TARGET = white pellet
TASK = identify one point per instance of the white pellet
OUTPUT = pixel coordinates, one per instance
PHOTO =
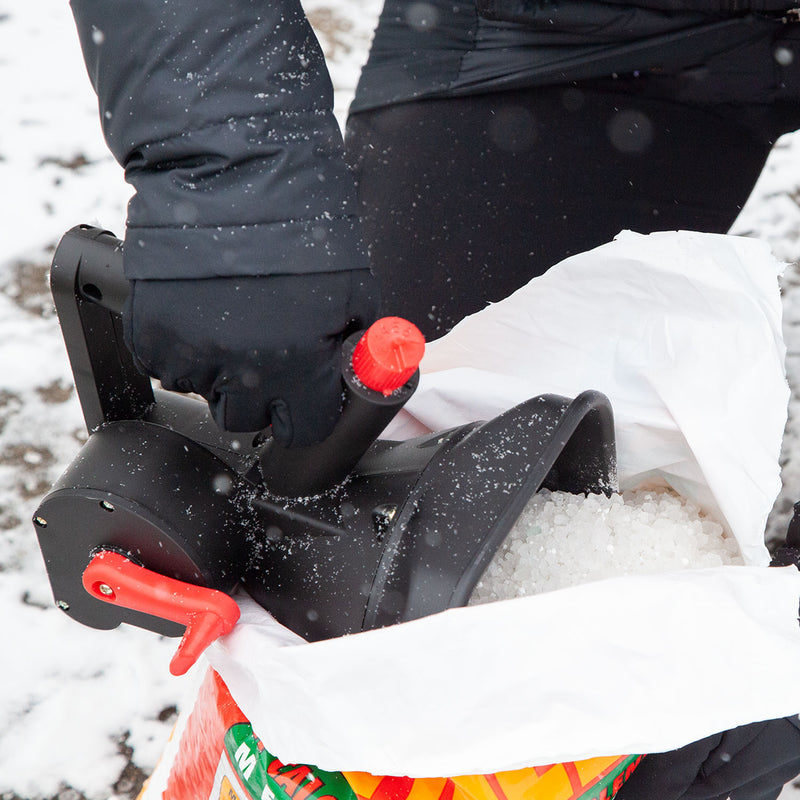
(562, 540)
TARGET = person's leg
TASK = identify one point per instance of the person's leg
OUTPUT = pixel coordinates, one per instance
(466, 199)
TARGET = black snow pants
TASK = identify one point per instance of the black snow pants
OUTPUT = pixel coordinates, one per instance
(466, 198)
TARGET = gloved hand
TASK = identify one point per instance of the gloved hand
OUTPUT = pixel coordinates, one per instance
(260, 349)
(238, 169)
(751, 762)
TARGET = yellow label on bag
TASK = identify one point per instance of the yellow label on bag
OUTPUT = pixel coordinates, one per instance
(591, 779)
(226, 790)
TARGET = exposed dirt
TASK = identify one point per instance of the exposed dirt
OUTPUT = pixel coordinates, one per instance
(333, 29)
(76, 162)
(28, 286)
(55, 392)
(30, 463)
(127, 787)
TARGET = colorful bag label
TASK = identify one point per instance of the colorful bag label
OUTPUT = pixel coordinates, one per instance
(219, 757)
(592, 779)
(258, 775)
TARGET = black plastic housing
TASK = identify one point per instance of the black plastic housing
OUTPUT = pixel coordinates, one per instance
(406, 533)
(420, 520)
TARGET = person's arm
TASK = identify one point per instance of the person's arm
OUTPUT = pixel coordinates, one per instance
(242, 241)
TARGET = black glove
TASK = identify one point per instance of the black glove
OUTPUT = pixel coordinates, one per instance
(261, 350)
(752, 762)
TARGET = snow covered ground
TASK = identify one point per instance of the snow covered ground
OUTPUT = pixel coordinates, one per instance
(86, 713)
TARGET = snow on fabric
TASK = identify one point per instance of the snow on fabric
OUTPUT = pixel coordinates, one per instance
(682, 331)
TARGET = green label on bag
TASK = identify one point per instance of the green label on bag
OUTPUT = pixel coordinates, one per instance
(607, 786)
(267, 778)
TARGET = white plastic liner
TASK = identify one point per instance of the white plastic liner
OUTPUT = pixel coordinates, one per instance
(682, 332)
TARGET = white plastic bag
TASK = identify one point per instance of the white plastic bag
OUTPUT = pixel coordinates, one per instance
(682, 332)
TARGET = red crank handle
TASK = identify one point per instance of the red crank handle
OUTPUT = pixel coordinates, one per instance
(206, 613)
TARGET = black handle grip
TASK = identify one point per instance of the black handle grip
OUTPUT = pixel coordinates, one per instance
(101, 279)
(309, 471)
(89, 290)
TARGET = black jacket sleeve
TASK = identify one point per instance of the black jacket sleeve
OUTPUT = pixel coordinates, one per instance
(221, 115)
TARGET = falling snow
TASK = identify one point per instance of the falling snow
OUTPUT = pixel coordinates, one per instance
(97, 707)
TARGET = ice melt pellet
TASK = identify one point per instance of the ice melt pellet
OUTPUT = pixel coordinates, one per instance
(562, 540)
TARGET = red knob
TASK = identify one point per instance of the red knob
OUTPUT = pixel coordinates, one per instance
(388, 354)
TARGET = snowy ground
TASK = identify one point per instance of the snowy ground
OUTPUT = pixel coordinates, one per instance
(86, 713)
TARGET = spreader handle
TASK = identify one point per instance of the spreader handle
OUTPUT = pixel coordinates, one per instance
(380, 371)
(89, 290)
(206, 613)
